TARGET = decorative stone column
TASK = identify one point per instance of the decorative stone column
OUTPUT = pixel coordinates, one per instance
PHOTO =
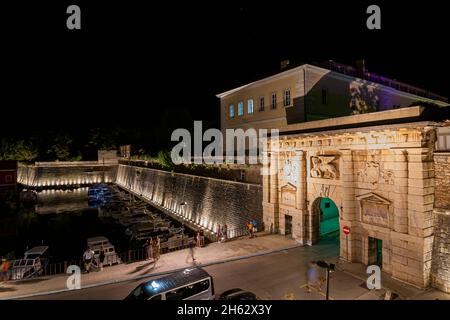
(273, 191)
(401, 191)
(270, 194)
(265, 177)
(300, 157)
(350, 248)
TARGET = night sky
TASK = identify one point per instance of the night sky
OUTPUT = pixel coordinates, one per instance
(159, 66)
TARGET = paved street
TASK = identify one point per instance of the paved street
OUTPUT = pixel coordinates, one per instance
(280, 275)
(275, 276)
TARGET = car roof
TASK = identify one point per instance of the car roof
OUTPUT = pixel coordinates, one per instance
(235, 290)
(96, 239)
(174, 280)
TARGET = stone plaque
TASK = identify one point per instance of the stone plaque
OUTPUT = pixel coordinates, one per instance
(375, 213)
(288, 195)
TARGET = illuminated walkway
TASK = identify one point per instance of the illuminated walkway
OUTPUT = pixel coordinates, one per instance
(262, 265)
(213, 253)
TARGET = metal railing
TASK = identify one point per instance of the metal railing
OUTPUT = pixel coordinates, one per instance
(237, 232)
(398, 85)
(129, 256)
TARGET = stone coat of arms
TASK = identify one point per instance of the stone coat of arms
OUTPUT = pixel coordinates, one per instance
(373, 173)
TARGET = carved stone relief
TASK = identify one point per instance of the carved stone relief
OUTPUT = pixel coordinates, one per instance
(374, 174)
(290, 171)
(324, 167)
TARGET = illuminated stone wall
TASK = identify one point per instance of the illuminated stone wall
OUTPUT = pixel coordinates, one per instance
(440, 267)
(442, 180)
(380, 178)
(208, 202)
(47, 175)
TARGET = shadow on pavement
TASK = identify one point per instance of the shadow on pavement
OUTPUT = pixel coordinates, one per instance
(141, 267)
(28, 281)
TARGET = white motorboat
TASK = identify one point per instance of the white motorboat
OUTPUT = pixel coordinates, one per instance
(98, 243)
(31, 265)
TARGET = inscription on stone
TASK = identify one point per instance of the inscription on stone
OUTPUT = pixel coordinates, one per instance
(375, 213)
(288, 195)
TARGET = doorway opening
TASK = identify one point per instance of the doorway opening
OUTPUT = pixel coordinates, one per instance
(375, 252)
(329, 219)
(288, 226)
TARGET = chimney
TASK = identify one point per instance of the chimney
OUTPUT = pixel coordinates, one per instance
(284, 64)
(360, 68)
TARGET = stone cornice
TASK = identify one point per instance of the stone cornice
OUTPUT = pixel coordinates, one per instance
(415, 135)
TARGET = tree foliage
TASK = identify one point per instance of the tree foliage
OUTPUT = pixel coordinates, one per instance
(60, 148)
(164, 159)
(20, 150)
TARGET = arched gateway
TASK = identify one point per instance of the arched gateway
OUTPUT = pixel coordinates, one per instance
(381, 182)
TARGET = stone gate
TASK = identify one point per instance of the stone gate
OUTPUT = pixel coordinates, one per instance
(380, 178)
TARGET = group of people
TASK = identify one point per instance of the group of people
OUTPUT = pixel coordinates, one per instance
(4, 270)
(153, 249)
(252, 228)
(90, 259)
(222, 233)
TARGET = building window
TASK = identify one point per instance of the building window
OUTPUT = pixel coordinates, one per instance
(287, 98)
(8, 178)
(274, 100)
(324, 96)
(231, 110)
(443, 142)
(240, 108)
(261, 103)
(250, 106)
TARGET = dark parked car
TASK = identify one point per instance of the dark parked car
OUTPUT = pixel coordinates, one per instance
(237, 294)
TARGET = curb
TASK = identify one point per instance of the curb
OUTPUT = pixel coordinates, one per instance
(257, 254)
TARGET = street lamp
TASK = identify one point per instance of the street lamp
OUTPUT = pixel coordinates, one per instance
(328, 267)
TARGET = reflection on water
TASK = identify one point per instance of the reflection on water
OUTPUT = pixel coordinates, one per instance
(57, 201)
(62, 220)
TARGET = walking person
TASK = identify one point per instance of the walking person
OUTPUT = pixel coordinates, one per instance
(313, 277)
(156, 251)
(219, 233)
(101, 258)
(198, 240)
(87, 258)
(255, 226)
(2, 274)
(149, 249)
(4, 269)
(225, 232)
(250, 229)
(191, 251)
